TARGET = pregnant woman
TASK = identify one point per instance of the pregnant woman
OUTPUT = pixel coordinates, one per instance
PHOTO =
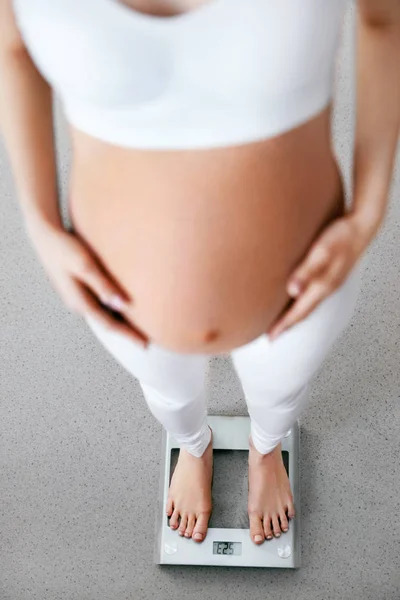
(207, 206)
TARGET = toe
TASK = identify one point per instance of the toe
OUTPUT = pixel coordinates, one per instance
(183, 524)
(284, 521)
(267, 527)
(173, 523)
(200, 530)
(256, 529)
(275, 525)
(290, 509)
(190, 526)
(169, 507)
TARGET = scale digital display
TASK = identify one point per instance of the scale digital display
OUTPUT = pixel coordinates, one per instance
(232, 548)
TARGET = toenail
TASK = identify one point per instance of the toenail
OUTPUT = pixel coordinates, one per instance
(180, 532)
(277, 534)
(258, 538)
(285, 530)
(198, 536)
(187, 534)
(269, 537)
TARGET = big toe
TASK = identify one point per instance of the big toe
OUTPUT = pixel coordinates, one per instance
(200, 530)
(256, 528)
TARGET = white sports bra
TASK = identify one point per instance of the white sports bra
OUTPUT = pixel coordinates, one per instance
(224, 73)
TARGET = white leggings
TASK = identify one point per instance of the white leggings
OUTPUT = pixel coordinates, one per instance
(274, 375)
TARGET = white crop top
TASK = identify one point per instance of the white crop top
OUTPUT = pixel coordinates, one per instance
(226, 72)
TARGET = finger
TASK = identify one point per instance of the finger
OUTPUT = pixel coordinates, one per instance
(90, 306)
(315, 262)
(102, 284)
(126, 328)
(121, 327)
(304, 305)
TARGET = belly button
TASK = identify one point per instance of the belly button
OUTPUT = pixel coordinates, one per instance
(211, 336)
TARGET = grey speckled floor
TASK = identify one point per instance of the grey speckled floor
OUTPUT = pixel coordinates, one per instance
(78, 477)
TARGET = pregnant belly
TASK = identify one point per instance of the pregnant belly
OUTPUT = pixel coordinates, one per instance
(204, 241)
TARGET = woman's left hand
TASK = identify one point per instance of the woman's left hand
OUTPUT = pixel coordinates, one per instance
(326, 266)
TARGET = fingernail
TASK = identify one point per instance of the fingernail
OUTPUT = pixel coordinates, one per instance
(116, 302)
(274, 335)
(198, 536)
(293, 288)
(258, 538)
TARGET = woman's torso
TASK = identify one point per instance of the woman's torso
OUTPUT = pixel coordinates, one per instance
(205, 240)
(204, 236)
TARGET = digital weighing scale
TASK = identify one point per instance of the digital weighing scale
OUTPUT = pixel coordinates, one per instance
(226, 546)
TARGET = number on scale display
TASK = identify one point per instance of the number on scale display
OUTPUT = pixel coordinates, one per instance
(231, 548)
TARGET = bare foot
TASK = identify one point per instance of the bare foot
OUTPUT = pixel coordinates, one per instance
(189, 495)
(270, 496)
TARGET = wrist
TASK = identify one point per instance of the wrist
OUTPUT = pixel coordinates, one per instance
(38, 221)
(366, 225)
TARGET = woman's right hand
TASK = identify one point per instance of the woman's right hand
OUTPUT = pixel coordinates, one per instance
(83, 284)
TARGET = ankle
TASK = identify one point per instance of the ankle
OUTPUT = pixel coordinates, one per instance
(261, 458)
